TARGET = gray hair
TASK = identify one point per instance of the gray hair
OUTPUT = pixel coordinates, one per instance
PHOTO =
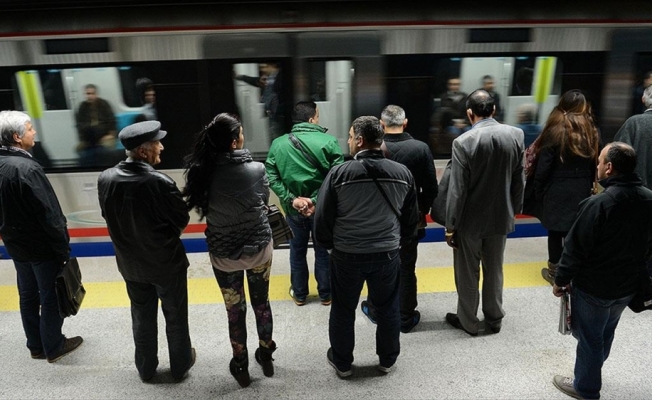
(647, 96)
(12, 122)
(133, 153)
(393, 116)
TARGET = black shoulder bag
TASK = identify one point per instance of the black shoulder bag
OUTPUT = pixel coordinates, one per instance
(296, 143)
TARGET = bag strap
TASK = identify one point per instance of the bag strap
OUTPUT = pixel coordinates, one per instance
(382, 191)
(296, 143)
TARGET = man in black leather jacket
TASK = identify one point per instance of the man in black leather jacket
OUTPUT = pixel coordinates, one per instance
(602, 264)
(34, 231)
(146, 214)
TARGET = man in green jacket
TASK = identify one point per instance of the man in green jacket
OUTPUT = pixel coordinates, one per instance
(297, 164)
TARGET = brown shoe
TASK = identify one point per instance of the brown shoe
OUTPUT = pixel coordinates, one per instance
(69, 345)
(40, 355)
(549, 273)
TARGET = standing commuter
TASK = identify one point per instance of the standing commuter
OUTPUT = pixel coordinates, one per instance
(415, 155)
(367, 208)
(485, 192)
(565, 157)
(297, 164)
(231, 190)
(602, 264)
(146, 214)
(489, 84)
(637, 132)
(96, 126)
(35, 234)
(638, 105)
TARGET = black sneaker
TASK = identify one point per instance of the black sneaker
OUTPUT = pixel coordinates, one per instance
(69, 345)
(340, 373)
(364, 306)
(416, 317)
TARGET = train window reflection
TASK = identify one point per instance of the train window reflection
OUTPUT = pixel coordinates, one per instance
(525, 89)
(79, 111)
(330, 86)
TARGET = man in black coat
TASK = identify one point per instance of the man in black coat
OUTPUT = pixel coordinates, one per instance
(35, 233)
(603, 263)
(416, 155)
(146, 214)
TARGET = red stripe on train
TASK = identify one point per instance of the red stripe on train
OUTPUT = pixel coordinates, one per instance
(94, 232)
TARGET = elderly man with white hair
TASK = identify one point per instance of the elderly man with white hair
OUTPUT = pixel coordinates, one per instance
(35, 234)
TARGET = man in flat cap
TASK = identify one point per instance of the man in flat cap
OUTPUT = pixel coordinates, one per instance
(146, 214)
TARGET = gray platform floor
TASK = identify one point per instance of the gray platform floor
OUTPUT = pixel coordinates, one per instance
(436, 361)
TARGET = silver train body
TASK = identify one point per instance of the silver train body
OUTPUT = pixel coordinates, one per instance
(351, 64)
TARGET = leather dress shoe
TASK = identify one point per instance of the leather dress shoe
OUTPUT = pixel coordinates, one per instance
(454, 321)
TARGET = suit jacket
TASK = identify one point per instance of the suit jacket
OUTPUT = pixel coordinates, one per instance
(487, 180)
(637, 132)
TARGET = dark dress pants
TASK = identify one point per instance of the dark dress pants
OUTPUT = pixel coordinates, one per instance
(144, 297)
(39, 308)
(348, 274)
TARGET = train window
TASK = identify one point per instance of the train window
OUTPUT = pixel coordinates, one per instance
(330, 86)
(259, 94)
(434, 90)
(78, 112)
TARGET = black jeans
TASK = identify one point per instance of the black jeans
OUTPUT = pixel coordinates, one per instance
(408, 284)
(144, 297)
(348, 274)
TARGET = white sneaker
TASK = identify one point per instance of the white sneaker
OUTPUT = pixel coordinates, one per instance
(565, 385)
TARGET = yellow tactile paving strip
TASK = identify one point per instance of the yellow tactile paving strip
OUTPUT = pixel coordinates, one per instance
(205, 290)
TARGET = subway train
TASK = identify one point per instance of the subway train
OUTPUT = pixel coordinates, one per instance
(350, 64)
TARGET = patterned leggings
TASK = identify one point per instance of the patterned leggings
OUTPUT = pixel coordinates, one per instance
(232, 287)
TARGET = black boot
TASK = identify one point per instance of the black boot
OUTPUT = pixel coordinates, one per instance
(240, 371)
(264, 358)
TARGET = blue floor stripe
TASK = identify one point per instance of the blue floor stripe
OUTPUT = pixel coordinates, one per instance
(198, 245)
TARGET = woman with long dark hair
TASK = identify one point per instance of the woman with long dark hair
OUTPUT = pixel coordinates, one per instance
(231, 191)
(565, 154)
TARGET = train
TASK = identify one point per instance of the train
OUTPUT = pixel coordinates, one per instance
(352, 60)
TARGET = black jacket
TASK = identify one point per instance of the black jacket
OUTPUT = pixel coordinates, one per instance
(415, 155)
(32, 224)
(352, 215)
(605, 250)
(237, 221)
(561, 186)
(145, 214)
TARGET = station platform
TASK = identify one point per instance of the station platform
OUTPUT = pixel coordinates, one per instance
(436, 361)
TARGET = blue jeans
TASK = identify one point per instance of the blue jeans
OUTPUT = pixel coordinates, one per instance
(348, 274)
(593, 321)
(144, 297)
(39, 308)
(302, 227)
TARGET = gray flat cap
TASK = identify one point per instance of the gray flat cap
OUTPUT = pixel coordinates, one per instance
(136, 134)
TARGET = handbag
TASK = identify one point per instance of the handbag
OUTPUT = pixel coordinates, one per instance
(438, 209)
(642, 299)
(69, 288)
(565, 314)
(281, 232)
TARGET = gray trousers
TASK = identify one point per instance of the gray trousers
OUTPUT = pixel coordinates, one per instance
(466, 260)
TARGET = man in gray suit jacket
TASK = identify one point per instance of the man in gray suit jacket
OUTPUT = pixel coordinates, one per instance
(637, 132)
(485, 192)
